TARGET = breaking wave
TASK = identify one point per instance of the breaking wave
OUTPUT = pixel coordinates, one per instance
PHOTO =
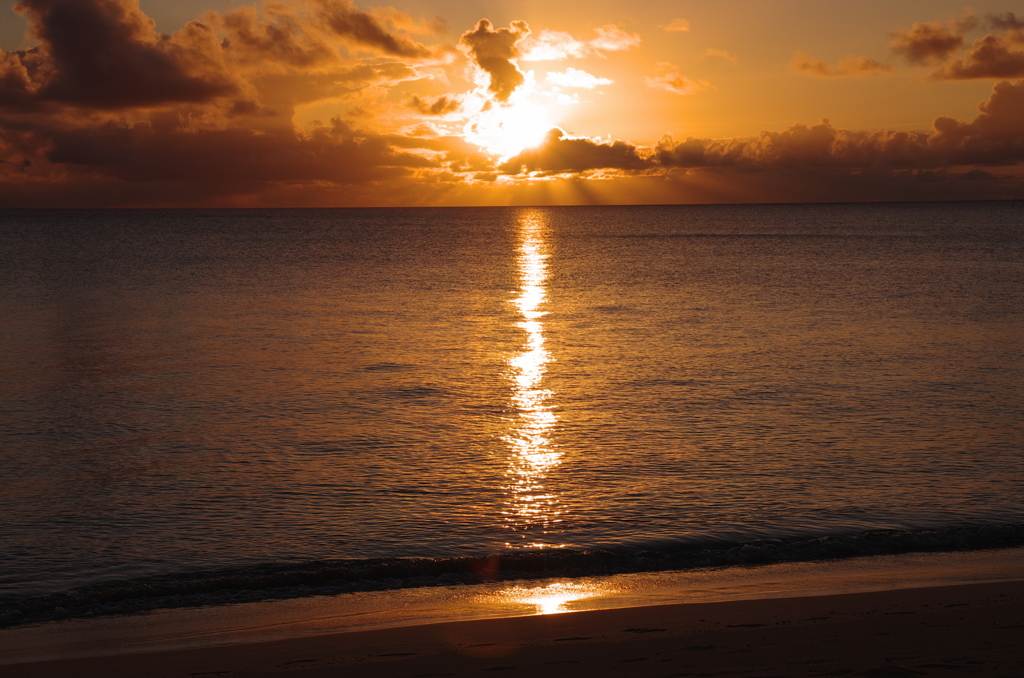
(275, 581)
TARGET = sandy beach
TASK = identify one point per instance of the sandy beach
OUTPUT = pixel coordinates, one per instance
(943, 631)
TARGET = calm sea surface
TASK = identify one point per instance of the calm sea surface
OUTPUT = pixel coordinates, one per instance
(185, 391)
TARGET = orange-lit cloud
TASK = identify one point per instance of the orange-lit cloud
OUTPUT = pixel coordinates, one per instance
(849, 66)
(321, 102)
(363, 28)
(439, 106)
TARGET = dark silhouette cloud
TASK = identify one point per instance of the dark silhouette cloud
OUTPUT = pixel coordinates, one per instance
(560, 153)
(148, 152)
(105, 54)
(995, 137)
(493, 50)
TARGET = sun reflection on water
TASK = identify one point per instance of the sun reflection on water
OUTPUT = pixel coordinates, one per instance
(530, 507)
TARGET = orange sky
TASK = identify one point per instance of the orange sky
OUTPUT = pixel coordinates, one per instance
(328, 103)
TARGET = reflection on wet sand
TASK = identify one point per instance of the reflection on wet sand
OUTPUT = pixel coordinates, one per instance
(530, 508)
(553, 598)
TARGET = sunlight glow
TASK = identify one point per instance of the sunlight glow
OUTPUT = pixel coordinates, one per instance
(553, 598)
(506, 130)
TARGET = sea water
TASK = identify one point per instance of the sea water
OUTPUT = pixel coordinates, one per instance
(223, 405)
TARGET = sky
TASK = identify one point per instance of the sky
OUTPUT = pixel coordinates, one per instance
(315, 103)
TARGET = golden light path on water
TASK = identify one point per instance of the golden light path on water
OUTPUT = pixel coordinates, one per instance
(530, 508)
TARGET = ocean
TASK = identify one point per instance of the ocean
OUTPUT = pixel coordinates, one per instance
(217, 406)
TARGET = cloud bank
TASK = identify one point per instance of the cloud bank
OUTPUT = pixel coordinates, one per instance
(105, 111)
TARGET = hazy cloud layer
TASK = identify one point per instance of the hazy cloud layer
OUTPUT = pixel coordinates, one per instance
(677, 26)
(670, 79)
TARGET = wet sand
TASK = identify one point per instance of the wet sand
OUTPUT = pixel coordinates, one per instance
(975, 629)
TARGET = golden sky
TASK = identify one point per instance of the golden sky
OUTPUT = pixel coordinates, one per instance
(438, 102)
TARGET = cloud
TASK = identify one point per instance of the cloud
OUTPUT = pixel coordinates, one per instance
(719, 54)
(493, 50)
(561, 153)
(557, 45)
(151, 152)
(572, 77)
(677, 26)
(675, 82)
(995, 137)
(927, 42)
(611, 38)
(439, 106)
(1006, 22)
(551, 46)
(992, 56)
(280, 37)
(849, 66)
(105, 54)
(363, 28)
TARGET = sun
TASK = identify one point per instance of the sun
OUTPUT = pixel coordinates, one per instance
(508, 128)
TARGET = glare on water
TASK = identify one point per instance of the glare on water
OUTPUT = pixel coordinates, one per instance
(530, 506)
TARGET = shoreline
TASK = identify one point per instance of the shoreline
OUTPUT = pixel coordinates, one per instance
(511, 614)
(937, 631)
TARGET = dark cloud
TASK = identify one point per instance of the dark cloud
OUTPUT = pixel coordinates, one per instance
(927, 42)
(105, 54)
(993, 57)
(560, 153)
(156, 151)
(1006, 22)
(493, 50)
(995, 137)
(439, 106)
(800, 146)
(352, 23)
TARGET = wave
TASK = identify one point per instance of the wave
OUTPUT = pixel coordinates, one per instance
(275, 581)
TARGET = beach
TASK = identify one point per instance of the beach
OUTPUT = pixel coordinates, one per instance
(939, 631)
